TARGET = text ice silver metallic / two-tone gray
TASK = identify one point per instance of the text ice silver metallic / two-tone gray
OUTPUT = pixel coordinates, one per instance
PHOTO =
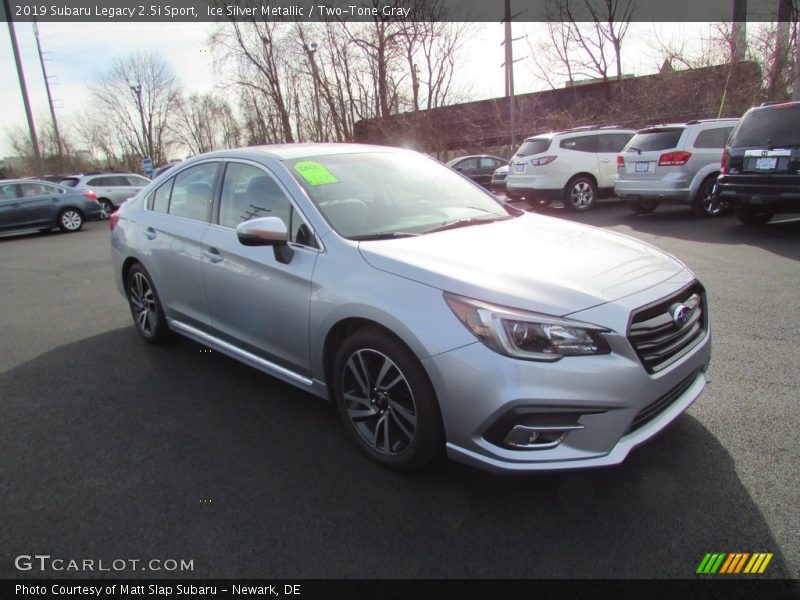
(433, 314)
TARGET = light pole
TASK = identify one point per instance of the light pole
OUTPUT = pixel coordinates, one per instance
(146, 145)
(311, 49)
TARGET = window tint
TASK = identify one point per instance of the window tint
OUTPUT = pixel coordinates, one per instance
(193, 192)
(69, 181)
(584, 143)
(9, 192)
(612, 142)
(159, 200)
(30, 190)
(655, 139)
(97, 181)
(534, 146)
(468, 165)
(137, 181)
(713, 138)
(489, 163)
(773, 125)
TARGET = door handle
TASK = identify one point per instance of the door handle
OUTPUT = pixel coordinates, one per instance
(213, 255)
(150, 233)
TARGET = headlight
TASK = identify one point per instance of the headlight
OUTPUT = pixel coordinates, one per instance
(527, 335)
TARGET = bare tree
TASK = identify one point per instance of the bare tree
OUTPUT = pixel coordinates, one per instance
(137, 96)
(205, 122)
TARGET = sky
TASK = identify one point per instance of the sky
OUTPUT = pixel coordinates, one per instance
(78, 53)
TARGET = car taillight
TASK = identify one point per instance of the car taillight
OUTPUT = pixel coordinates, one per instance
(542, 160)
(90, 195)
(723, 166)
(113, 219)
(671, 159)
(620, 161)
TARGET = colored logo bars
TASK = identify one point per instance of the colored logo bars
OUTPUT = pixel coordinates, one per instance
(734, 563)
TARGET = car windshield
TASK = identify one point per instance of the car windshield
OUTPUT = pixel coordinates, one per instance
(533, 146)
(654, 139)
(771, 126)
(378, 195)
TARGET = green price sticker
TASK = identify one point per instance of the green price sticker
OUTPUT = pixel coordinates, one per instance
(315, 173)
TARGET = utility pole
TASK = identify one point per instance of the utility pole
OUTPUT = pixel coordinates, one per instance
(49, 95)
(510, 74)
(23, 88)
(739, 30)
(311, 49)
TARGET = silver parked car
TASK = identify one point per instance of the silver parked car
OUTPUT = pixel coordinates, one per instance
(383, 280)
(112, 189)
(33, 204)
(676, 164)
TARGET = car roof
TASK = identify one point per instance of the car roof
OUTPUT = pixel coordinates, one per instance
(42, 181)
(581, 131)
(300, 150)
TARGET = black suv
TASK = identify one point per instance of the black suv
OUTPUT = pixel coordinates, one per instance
(760, 171)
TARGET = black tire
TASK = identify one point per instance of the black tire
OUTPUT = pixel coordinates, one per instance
(643, 207)
(108, 207)
(580, 194)
(395, 418)
(752, 216)
(539, 203)
(706, 202)
(70, 220)
(146, 308)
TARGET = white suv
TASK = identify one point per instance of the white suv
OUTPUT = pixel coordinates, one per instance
(575, 166)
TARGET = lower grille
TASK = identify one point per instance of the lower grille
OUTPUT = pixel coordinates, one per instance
(652, 410)
(663, 332)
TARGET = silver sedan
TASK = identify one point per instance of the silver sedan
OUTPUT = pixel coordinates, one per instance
(435, 316)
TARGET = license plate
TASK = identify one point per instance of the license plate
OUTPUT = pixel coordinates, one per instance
(642, 167)
(766, 163)
(519, 168)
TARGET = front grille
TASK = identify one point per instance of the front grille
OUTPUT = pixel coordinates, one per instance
(658, 334)
(652, 410)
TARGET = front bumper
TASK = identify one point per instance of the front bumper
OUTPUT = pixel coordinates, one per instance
(603, 395)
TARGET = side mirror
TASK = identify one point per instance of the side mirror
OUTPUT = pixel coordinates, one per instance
(266, 231)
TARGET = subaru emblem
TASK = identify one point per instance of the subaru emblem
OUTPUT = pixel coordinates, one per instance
(681, 314)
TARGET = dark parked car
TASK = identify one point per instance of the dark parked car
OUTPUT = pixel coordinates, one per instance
(760, 171)
(32, 204)
(479, 168)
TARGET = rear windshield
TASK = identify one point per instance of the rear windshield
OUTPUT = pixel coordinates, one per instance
(655, 139)
(771, 126)
(533, 146)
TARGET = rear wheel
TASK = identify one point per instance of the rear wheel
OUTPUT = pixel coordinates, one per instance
(753, 216)
(107, 207)
(643, 207)
(386, 401)
(706, 202)
(580, 194)
(70, 220)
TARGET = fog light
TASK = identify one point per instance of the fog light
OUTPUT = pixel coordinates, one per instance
(538, 437)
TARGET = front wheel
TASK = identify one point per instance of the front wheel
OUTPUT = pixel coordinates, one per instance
(749, 215)
(580, 194)
(70, 220)
(148, 314)
(706, 202)
(386, 401)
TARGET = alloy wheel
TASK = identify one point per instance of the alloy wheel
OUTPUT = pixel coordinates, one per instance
(71, 220)
(143, 304)
(379, 401)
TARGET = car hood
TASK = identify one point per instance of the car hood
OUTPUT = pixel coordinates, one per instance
(532, 262)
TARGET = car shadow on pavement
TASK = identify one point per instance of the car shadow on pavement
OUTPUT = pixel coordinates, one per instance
(116, 449)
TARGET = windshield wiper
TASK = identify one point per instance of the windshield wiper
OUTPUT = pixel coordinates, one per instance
(385, 235)
(634, 148)
(467, 222)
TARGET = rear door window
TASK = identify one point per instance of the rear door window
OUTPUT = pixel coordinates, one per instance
(612, 142)
(713, 138)
(583, 143)
(193, 192)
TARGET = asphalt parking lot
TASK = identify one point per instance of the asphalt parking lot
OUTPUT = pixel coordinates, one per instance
(112, 449)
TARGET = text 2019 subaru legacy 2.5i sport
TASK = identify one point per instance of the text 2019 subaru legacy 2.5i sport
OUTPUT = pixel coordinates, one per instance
(434, 315)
